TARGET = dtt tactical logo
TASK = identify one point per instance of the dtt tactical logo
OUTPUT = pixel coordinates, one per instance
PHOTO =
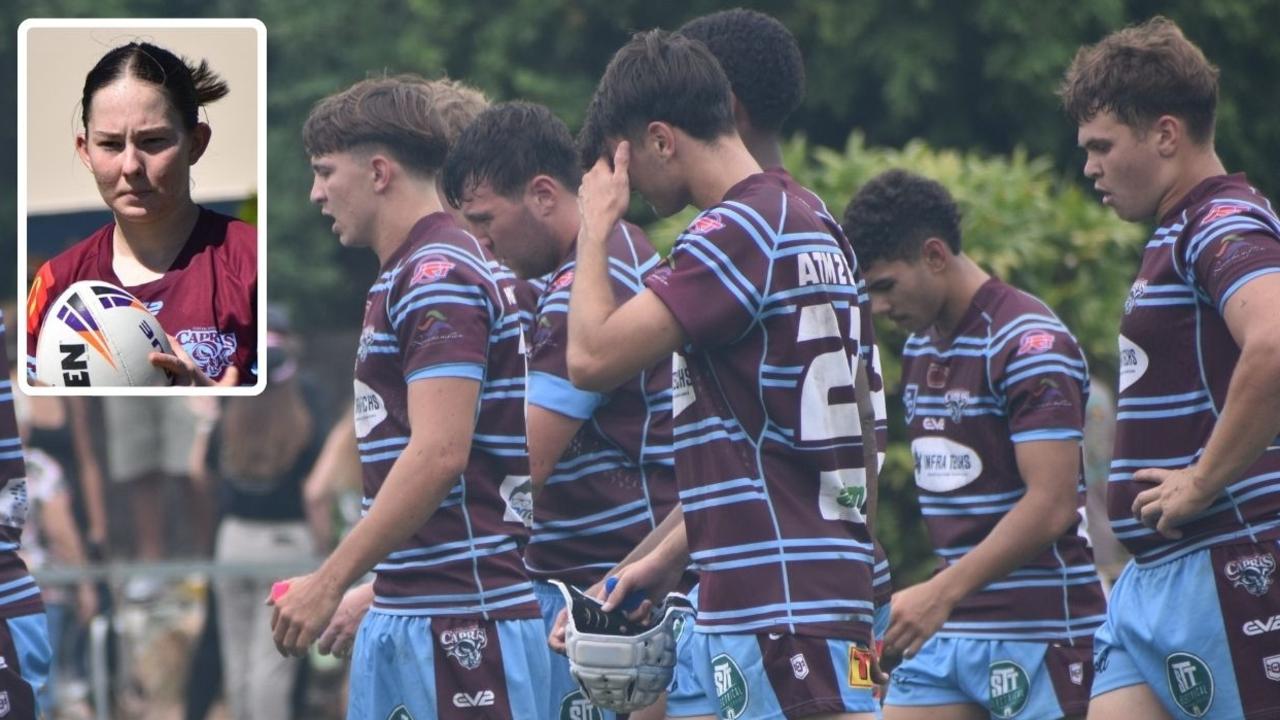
(1190, 683)
(400, 713)
(1010, 689)
(465, 644)
(211, 349)
(1252, 573)
(731, 687)
(575, 706)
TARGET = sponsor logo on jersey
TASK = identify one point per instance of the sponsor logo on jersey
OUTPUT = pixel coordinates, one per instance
(935, 424)
(860, 668)
(799, 666)
(1222, 210)
(731, 687)
(543, 333)
(1136, 291)
(562, 281)
(943, 465)
(1252, 573)
(1010, 689)
(682, 392)
(370, 410)
(1034, 342)
(909, 395)
(211, 350)
(1133, 363)
(14, 503)
(937, 376)
(1076, 672)
(400, 712)
(1190, 683)
(1101, 662)
(842, 493)
(517, 493)
(464, 644)
(1272, 667)
(434, 328)
(575, 706)
(155, 307)
(430, 269)
(483, 698)
(1254, 628)
(1047, 395)
(823, 268)
(366, 341)
(4, 703)
(705, 224)
(957, 401)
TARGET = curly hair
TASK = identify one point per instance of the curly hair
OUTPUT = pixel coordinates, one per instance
(895, 212)
(1140, 73)
(761, 58)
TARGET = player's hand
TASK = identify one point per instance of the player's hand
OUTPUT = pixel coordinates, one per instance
(605, 194)
(302, 613)
(340, 637)
(185, 371)
(915, 615)
(1178, 495)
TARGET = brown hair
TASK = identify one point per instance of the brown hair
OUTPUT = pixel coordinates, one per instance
(1140, 73)
(187, 86)
(414, 119)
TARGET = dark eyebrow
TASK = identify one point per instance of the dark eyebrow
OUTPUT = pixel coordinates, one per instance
(880, 284)
(1096, 144)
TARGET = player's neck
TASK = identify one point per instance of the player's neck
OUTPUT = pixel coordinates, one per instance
(566, 224)
(154, 244)
(766, 148)
(715, 167)
(401, 212)
(964, 280)
(1197, 168)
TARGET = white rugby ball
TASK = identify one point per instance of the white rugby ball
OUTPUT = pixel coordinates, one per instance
(96, 334)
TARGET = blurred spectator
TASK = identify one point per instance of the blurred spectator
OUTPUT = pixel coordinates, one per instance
(262, 451)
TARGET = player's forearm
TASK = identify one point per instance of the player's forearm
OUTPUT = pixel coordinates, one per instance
(591, 302)
(672, 553)
(1250, 418)
(674, 519)
(1026, 531)
(417, 483)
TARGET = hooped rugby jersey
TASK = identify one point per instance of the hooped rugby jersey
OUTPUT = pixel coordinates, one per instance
(208, 299)
(1011, 373)
(870, 353)
(766, 428)
(19, 594)
(616, 481)
(1176, 360)
(442, 307)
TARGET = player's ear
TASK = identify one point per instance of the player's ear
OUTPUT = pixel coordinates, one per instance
(661, 139)
(541, 191)
(200, 135)
(935, 254)
(82, 149)
(380, 171)
(1170, 132)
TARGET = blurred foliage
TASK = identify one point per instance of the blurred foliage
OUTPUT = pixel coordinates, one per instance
(1021, 222)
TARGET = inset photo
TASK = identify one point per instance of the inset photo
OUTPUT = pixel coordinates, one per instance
(142, 206)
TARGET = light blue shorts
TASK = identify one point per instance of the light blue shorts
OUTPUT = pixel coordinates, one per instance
(27, 658)
(566, 701)
(1201, 630)
(1032, 680)
(406, 667)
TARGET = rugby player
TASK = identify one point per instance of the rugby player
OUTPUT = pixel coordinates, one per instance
(994, 387)
(439, 381)
(761, 308)
(601, 463)
(1192, 625)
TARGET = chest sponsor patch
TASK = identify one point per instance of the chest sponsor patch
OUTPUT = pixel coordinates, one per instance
(370, 409)
(1035, 342)
(682, 393)
(943, 465)
(1133, 363)
(431, 269)
(517, 493)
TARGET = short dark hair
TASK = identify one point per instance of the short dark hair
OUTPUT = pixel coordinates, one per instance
(414, 119)
(507, 146)
(658, 76)
(188, 87)
(895, 212)
(1140, 73)
(761, 59)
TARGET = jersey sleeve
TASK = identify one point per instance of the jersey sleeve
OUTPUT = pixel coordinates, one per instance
(1232, 244)
(12, 464)
(549, 386)
(718, 266)
(1039, 374)
(441, 314)
(42, 293)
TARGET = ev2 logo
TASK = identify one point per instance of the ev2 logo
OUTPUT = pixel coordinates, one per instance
(484, 698)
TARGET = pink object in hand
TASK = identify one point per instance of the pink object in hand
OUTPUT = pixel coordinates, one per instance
(278, 589)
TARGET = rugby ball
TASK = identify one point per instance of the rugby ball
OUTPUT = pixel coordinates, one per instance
(96, 335)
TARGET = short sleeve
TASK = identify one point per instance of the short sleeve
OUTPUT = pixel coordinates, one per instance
(1039, 373)
(717, 268)
(549, 386)
(441, 314)
(1232, 244)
